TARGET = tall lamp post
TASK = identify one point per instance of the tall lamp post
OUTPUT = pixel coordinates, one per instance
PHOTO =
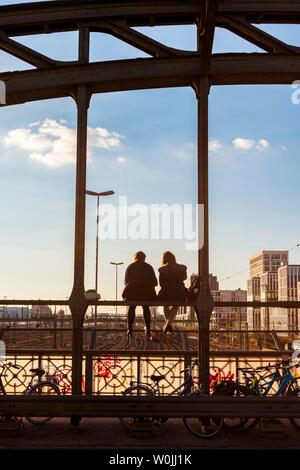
(117, 266)
(98, 195)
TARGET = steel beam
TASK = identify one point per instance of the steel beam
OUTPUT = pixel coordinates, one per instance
(252, 34)
(263, 11)
(100, 77)
(120, 30)
(38, 18)
(156, 303)
(225, 69)
(254, 69)
(206, 31)
(78, 303)
(24, 53)
(138, 353)
(204, 303)
(105, 406)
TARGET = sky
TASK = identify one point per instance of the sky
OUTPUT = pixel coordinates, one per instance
(142, 145)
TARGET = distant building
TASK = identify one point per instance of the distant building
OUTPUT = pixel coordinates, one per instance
(263, 286)
(253, 295)
(213, 283)
(189, 312)
(223, 317)
(288, 289)
(229, 317)
(267, 261)
(41, 311)
(21, 313)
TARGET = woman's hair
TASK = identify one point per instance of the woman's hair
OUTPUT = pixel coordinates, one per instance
(139, 256)
(168, 258)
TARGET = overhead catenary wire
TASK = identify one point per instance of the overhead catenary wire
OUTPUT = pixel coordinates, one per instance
(227, 278)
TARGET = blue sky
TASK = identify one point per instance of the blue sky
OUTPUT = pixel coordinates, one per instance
(148, 154)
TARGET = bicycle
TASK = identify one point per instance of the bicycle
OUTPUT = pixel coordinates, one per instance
(260, 385)
(293, 389)
(37, 387)
(199, 426)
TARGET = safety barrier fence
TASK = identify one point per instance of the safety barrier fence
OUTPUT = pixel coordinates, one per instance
(108, 374)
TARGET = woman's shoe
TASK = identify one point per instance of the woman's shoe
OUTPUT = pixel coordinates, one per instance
(147, 333)
(167, 329)
(129, 334)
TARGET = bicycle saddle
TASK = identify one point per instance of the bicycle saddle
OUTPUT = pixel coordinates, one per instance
(157, 378)
(38, 371)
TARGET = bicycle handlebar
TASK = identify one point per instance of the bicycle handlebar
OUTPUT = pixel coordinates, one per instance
(10, 365)
(287, 365)
(190, 367)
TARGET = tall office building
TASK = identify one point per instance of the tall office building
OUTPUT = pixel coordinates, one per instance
(267, 262)
(253, 294)
(263, 286)
(288, 289)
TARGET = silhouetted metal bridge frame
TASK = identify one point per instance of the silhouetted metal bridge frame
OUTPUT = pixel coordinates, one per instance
(166, 67)
(84, 406)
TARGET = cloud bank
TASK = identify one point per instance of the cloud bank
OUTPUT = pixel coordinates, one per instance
(241, 143)
(53, 143)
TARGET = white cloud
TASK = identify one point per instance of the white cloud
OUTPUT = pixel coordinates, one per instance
(122, 160)
(263, 145)
(214, 145)
(186, 152)
(243, 144)
(53, 143)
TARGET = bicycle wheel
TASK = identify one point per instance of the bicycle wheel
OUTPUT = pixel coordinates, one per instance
(239, 425)
(135, 391)
(294, 392)
(42, 389)
(204, 427)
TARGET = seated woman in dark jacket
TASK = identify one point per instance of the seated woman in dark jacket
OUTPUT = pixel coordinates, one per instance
(140, 282)
(171, 279)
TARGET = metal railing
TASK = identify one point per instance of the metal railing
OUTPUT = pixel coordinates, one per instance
(108, 374)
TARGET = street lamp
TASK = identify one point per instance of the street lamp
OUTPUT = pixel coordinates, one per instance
(116, 265)
(98, 195)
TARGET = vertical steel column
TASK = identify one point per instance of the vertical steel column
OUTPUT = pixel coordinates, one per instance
(77, 302)
(204, 303)
(97, 258)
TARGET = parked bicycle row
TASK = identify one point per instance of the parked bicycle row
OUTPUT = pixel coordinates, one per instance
(279, 379)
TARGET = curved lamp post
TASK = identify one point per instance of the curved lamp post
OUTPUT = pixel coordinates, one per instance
(116, 265)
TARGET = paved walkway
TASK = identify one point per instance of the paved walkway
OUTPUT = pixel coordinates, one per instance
(96, 433)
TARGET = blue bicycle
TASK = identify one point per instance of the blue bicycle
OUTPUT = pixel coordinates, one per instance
(262, 381)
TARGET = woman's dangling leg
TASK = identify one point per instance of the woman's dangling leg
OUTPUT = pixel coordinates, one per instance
(167, 315)
(130, 319)
(147, 319)
(172, 314)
